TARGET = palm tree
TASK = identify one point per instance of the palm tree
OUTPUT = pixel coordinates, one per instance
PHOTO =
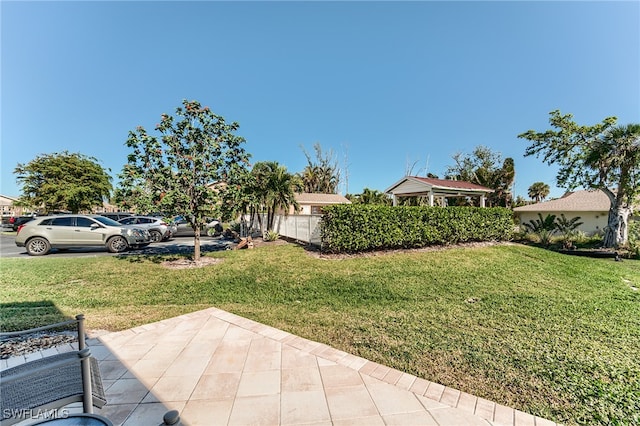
(320, 176)
(538, 191)
(616, 156)
(274, 189)
(373, 196)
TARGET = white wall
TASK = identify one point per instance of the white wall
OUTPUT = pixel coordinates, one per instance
(593, 222)
(301, 227)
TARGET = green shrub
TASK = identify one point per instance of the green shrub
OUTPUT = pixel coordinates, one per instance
(270, 236)
(355, 228)
(634, 238)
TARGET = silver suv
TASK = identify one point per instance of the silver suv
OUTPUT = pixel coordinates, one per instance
(158, 228)
(43, 233)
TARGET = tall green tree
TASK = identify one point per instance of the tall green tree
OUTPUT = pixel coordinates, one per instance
(487, 168)
(602, 156)
(63, 181)
(372, 196)
(274, 190)
(538, 191)
(241, 200)
(185, 170)
(322, 174)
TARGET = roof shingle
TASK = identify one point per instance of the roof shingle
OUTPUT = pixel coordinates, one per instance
(578, 201)
(311, 198)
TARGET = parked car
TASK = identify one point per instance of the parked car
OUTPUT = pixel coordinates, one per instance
(16, 221)
(43, 233)
(157, 227)
(116, 215)
(184, 229)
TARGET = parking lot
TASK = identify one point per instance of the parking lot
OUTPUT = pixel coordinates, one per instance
(176, 245)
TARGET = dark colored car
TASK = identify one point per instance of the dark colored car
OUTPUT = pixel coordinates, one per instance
(184, 229)
(17, 221)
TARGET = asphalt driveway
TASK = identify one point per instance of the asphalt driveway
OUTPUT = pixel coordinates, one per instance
(178, 245)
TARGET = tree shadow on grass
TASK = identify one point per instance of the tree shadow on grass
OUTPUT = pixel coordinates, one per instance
(170, 252)
(16, 316)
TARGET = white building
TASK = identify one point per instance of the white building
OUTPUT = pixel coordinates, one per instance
(591, 206)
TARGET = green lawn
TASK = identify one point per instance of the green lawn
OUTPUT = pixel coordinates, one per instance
(557, 336)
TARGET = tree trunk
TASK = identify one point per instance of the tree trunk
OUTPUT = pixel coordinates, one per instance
(196, 244)
(617, 230)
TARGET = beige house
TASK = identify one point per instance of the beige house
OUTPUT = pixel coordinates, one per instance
(7, 207)
(313, 203)
(591, 206)
(414, 186)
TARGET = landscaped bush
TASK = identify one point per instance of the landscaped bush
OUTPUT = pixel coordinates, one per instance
(355, 228)
(634, 238)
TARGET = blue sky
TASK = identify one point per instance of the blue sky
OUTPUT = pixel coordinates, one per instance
(383, 84)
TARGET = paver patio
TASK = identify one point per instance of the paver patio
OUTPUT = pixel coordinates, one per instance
(217, 368)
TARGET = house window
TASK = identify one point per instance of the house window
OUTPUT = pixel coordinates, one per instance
(316, 210)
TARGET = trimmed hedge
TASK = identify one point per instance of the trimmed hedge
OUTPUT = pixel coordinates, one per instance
(354, 228)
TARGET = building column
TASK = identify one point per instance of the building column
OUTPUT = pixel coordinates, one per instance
(482, 200)
(431, 198)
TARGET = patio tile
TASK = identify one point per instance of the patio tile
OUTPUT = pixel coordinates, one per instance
(228, 358)
(161, 351)
(392, 376)
(421, 418)
(184, 366)
(150, 414)
(360, 421)
(338, 375)
(380, 371)
(99, 352)
(217, 387)
(485, 408)
(304, 407)
(112, 369)
(238, 334)
(450, 397)
(430, 404)
(350, 402)
(419, 386)
(390, 399)
(452, 417)
(434, 391)
(149, 370)
(503, 416)
(405, 381)
(175, 388)
(212, 330)
(200, 348)
(219, 368)
(301, 379)
(292, 358)
(126, 391)
(117, 413)
(258, 360)
(256, 410)
(259, 383)
(206, 413)
(467, 402)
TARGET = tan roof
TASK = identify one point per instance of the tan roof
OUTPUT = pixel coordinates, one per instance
(309, 198)
(578, 201)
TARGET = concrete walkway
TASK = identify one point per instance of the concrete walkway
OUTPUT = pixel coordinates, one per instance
(217, 368)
